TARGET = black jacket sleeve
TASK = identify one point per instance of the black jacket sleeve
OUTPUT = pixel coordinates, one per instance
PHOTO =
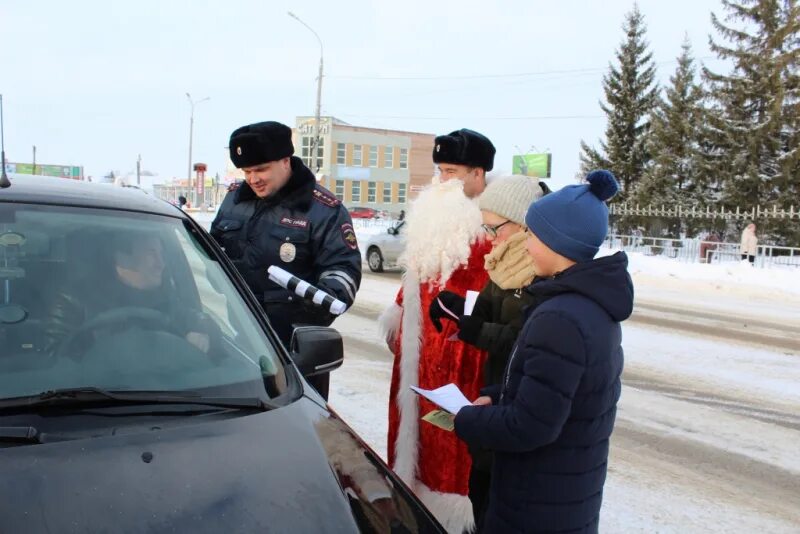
(338, 260)
(480, 330)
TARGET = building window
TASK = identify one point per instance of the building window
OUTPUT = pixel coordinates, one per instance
(387, 192)
(401, 193)
(306, 155)
(356, 155)
(403, 158)
(356, 191)
(340, 189)
(388, 157)
(371, 191)
(340, 151)
(373, 156)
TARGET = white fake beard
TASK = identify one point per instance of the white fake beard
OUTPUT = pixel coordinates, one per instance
(442, 225)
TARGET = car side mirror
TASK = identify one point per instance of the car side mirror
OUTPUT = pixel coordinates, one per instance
(316, 350)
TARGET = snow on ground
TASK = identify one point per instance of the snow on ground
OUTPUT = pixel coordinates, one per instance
(735, 288)
(729, 368)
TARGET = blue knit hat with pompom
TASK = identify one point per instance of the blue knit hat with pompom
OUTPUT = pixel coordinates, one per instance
(573, 221)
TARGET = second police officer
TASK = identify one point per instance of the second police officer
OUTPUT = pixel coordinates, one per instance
(281, 216)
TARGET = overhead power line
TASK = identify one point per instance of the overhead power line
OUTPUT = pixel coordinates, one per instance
(529, 118)
(596, 70)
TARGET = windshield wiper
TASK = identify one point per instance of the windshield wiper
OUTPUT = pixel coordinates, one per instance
(91, 396)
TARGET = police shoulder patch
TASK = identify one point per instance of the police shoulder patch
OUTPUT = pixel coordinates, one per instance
(349, 236)
(325, 197)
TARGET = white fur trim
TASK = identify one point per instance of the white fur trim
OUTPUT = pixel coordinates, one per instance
(389, 321)
(406, 453)
(452, 510)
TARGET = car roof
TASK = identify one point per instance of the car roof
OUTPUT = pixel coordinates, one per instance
(67, 192)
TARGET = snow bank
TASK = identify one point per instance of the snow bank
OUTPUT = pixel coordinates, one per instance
(778, 280)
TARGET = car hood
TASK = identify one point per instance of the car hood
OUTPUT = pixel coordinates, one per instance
(293, 469)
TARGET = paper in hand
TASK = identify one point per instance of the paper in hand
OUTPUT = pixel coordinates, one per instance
(469, 301)
(448, 397)
(440, 418)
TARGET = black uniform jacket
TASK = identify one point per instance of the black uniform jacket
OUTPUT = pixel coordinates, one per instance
(305, 230)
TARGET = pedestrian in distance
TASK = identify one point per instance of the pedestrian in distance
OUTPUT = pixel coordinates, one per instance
(749, 244)
(550, 420)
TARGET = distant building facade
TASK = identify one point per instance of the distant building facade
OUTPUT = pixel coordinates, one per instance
(368, 167)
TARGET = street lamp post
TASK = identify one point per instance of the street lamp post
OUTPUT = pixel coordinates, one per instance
(3, 177)
(316, 141)
(191, 131)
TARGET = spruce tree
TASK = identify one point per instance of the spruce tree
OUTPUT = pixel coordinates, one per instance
(752, 144)
(671, 178)
(630, 95)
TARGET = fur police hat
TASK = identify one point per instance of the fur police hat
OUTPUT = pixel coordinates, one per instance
(464, 147)
(259, 143)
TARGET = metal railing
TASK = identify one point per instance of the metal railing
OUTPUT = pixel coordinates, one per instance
(697, 250)
(681, 212)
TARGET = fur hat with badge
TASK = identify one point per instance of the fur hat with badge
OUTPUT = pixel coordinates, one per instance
(464, 147)
(260, 143)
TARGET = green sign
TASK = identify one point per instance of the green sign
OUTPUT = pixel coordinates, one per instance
(58, 171)
(535, 165)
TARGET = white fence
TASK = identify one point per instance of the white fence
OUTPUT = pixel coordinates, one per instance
(696, 250)
(751, 214)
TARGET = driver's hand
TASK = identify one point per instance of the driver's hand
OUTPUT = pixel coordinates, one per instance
(201, 341)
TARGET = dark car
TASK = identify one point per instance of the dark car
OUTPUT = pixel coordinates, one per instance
(363, 213)
(159, 399)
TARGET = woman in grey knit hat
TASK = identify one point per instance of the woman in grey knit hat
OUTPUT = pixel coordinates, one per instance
(497, 317)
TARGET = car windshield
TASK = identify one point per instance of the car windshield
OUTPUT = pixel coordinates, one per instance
(122, 301)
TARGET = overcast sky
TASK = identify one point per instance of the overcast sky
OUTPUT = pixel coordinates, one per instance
(95, 83)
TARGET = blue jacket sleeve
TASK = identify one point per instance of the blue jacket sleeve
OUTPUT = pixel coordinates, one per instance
(554, 360)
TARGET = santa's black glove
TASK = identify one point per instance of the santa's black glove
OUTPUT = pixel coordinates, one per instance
(469, 329)
(445, 305)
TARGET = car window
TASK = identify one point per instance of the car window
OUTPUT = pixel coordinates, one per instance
(122, 301)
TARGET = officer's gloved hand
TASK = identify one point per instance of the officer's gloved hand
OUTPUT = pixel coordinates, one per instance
(445, 305)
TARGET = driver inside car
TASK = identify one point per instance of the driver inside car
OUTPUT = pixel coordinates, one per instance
(134, 278)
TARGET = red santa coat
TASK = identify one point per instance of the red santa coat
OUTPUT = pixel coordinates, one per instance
(433, 461)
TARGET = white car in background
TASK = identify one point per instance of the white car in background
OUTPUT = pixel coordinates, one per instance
(382, 250)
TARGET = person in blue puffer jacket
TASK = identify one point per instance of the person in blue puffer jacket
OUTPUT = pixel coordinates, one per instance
(550, 420)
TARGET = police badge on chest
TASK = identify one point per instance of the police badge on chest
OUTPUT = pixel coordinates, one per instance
(287, 252)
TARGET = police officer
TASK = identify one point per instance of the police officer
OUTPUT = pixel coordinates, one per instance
(281, 216)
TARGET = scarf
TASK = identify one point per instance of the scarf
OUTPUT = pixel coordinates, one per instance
(509, 265)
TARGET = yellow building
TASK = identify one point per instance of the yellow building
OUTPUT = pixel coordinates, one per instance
(369, 167)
